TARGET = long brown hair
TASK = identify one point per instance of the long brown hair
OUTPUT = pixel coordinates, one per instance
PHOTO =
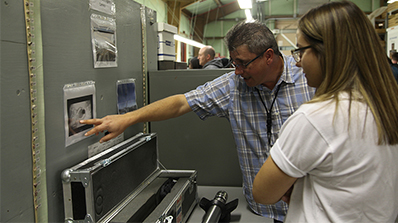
(353, 61)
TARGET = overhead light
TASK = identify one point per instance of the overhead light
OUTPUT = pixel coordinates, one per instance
(245, 4)
(391, 1)
(248, 14)
(188, 41)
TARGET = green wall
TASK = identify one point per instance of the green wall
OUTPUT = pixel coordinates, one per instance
(285, 7)
(159, 6)
(215, 31)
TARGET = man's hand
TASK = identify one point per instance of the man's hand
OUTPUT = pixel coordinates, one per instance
(170, 107)
(114, 124)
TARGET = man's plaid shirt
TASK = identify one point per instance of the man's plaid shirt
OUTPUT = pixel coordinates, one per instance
(228, 96)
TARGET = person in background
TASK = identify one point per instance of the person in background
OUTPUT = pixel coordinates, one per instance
(194, 63)
(394, 69)
(207, 60)
(394, 58)
(338, 151)
(257, 98)
(226, 63)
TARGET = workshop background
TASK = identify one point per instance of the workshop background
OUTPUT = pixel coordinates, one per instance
(47, 46)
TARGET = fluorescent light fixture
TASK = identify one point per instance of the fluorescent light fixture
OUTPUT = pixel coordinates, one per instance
(188, 41)
(248, 14)
(245, 4)
(391, 1)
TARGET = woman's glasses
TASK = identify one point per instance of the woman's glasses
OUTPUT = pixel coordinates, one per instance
(298, 52)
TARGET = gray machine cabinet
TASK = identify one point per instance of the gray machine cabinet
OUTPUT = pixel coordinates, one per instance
(125, 184)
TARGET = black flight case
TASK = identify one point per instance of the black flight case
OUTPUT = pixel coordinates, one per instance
(125, 184)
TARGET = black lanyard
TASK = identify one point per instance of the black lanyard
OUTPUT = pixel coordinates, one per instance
(269, 115)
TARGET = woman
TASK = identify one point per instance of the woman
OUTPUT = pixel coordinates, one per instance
(338, 153)
(194, 63)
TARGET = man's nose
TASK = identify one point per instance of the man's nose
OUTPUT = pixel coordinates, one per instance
(238, 70)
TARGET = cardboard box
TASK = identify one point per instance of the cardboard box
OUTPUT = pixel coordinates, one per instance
(392, 7)
(166, 44)
(164, 27)
(392, 20)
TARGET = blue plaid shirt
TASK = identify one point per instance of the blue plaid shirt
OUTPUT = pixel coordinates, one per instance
(228, 96)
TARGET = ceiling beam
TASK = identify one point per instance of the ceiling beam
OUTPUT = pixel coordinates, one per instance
(187, 13)
(177, 7)
(219, 4)
(219, 12)
(215, 14)
(183, 3)
(190, 2)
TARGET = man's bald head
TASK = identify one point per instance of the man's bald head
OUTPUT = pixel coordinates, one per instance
(206, 54)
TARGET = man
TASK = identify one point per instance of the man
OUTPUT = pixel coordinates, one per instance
(206, 58)
(394, 58)
(265, 89)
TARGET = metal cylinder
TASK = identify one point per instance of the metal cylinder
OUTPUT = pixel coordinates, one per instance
(214, 212)
(212, 215)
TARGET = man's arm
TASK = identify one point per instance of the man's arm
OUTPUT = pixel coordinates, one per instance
(271, 183)
(170, 107)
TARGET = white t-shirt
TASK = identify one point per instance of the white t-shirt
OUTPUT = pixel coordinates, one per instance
(343, 175)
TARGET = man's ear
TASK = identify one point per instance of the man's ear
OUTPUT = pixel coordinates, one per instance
(269, 55)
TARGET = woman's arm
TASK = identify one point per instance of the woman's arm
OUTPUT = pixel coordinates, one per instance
(271, 183)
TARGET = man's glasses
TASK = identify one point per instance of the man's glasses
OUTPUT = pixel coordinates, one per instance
(244, 66)
(298, 52)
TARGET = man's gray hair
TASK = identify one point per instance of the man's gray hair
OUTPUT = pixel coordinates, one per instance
(255, 35)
